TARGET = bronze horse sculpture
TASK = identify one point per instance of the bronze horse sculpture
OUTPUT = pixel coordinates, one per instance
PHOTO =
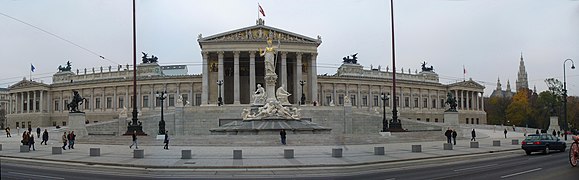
(75, 103)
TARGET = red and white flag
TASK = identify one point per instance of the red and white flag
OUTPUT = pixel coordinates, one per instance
(260, 10)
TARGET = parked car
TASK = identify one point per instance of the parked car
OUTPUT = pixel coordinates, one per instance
(542, 143)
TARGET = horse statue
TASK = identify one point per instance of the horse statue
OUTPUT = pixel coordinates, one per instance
(67, 68)
(424, 68)
(348, 60)
(152, 59)
(76, 101)
(451, 101)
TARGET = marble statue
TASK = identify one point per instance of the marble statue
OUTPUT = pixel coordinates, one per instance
(268, 53)
(282, 95)
(179, 102)
(246, 114)
(297, 114)
(259, 96)
(332, 103)
(123, 113)
(347, 99)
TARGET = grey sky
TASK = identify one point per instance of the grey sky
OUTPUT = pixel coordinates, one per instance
(486, 36)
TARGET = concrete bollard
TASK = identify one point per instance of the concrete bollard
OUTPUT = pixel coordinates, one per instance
(447, 146)
(95, 151)
(337, 152)
(56, 150)
(237, 154)
(24, 148)
(496, 143)
(288, 153)
(139, 153)
(416, 148)
(378, 150)
(474, 144)
(515, 142)
(186, 154)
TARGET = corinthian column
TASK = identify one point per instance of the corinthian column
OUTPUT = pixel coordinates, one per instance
(205, 75)
(298, 78)
(283, 69)
(314, 78)
(251, 74)
(221, 73)
(236, 77)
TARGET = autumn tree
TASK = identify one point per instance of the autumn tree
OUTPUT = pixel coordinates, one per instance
(518, 110)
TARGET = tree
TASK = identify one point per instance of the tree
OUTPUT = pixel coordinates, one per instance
(496, 109)
(3, 118)
(518, 110)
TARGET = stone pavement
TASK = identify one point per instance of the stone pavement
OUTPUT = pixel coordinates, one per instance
(216, 157)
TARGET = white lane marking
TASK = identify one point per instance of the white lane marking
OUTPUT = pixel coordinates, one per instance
(476, 167)
(519, 173)
(40, 176)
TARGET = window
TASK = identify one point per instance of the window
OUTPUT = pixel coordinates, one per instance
(427, 119)
(418, 119)
(17, 124)
(37, 105)
(459, 104)
(25, 105)
(121, 102)
(29, 124)
(425, 102)
(477, 121)
(341, 99)
(86, 105)
(171, 100)
(435, 119)
(472, 120)
(63, 123)
(198, 99)
(97, 103)
(415, 102)
(64, 105)
(109, 103)
(376, 100)
(328, 100)
(442, 103)
(467, 120)
(365, 100)
(23, 125)
(145, 101)
(157, 102)
(53, 123)
(406, 102)
(397, 101)
(353, 100)
(132, 101)
(185, 98)
(56, 106)
(434, 103)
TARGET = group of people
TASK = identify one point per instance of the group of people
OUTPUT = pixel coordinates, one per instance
(28, 138)
(136, 142)
(68, 139)
(450, 135)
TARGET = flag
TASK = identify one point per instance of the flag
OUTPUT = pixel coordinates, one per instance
(32, 68)
(260, 10)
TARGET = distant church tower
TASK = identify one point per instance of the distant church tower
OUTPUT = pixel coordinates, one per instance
(522, 81)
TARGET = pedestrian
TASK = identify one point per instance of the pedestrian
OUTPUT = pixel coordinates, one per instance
(166, 140)
(537, 131)
(558, 133)
(554, 133)
(64, 139)
(282, 134)
(525, 132)
(17, 130)
(8, 132)
(25, 138)
(44, 137)
(30, 129)
(473, 134)
(31, 142)
(513, 128)
(505, 133)
(38, 131)
(454, 134)
(448, 135)
(71, 139)
(134, 141)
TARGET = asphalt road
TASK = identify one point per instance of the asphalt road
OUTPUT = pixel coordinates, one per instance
(514, 165)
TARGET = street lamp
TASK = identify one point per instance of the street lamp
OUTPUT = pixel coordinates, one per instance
(565, 94)
(395, 125)
(134, 126)
(303, 98)
(219, 99)
(162, 96)
(384, 122)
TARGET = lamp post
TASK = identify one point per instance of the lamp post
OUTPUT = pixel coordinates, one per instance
(303, 98)
(219, 99)
(565, 95)
(135, 126)
(395, 124)
(384, 122)
(162, 96)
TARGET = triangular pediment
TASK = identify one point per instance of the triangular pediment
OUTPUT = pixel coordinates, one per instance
(27, 84)
(469, 83)
(258, 33)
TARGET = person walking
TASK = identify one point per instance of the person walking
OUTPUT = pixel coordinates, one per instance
(8, 132)
(282, 134)
(537, 131)
(38, 132)
(31, 142)
(448, 135)
(454, 134)
(559, 134)
(25, 138)
(134, 141)
(473, 134)
(554, 133)
(166, 140)
(44, 137)
(71, 139)
(64, 139)
(505, 133)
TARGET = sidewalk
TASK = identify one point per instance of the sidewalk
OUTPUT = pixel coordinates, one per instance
(216, 157)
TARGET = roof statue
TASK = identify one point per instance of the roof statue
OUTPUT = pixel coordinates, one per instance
(67, 68)
(146, 59)
(424, 68)
(348, 60)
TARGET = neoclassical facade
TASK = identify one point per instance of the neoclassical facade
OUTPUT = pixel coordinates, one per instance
(233, 58)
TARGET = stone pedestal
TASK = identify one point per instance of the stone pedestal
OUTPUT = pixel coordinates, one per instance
(447, 146)
(378, 150)
(554, 124)
(76, 123)
(138, 153)
(451, 118)
(496, 143)
(474, 144)
(24, 148)
(288, 153)
(56, 150)
(416, 148)
(237, 154)
(186, 154)
(95, 151)
(337, 152)
(515, 142)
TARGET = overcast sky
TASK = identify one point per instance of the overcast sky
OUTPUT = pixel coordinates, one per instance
(485, 36)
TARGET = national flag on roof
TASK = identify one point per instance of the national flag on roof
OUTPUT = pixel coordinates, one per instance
(261, 10)
(32, 68)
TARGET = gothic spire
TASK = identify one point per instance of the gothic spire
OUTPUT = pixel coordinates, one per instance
(499, 84)
(522, 81)
(508, 86)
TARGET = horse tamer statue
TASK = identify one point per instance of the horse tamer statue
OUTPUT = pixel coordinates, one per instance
(76, 101)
